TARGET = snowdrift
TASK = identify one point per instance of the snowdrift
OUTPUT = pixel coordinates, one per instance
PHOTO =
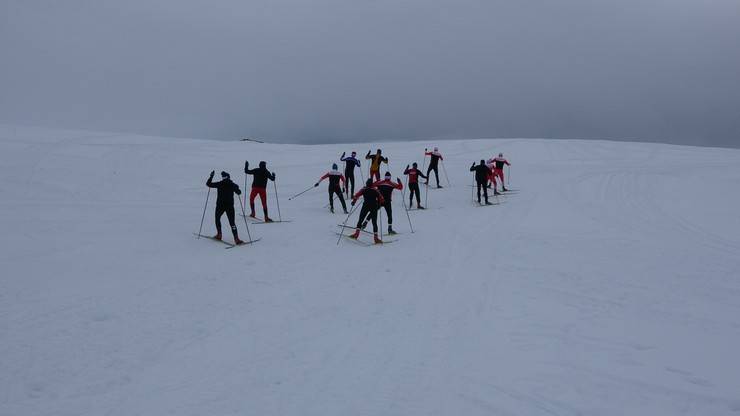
(608, 285)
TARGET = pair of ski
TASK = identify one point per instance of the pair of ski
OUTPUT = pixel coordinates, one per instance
(355, 240)
(228, 245)
(255, 220)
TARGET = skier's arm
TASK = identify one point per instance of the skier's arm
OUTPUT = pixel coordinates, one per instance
(237, 190)
(358, 162)
(384, 159)
(507, 162)
(326, 175)
(341, 178)
(271, 176)
(367, 156)
(406, 171)
(209, 182)
(399, 184)
(250, 171)
(472, 167)
(342, 157)
(420, 173)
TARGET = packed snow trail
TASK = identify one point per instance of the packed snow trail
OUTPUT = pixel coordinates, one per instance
(609, 284)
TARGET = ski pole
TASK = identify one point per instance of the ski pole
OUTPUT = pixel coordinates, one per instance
(301, 193)
(344, 224)
(280, 217)
(200, 230)
(244, 215)
(403, 201)
(445, 171)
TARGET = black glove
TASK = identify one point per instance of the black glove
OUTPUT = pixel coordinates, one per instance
(343, 153)
(398, 179)
(246, 166)
(213, 172)
(316, 184)
(273, 176)
(353, 202)
(407, 167)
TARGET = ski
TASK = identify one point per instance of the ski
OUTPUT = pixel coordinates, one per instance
(478, 204)
(347, 227)
(364, 243)
(215, 239)
(246, 243)
(271, 222)
(255, 220)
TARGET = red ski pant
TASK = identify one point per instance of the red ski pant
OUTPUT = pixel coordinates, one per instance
(262, 192)
(375, 174)
(500, 174)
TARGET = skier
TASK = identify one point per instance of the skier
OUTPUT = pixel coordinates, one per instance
(259, 186)
(498, 169)
(386, 187)
(482, 172)
(225, 203)
(414, 174)
(371, 202)
(349, 171)
(491, 163)
(334, 177)
(376, 159)
(435, 157)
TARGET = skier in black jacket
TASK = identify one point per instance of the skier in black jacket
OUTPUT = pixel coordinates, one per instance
(350, 163)
(482, 173)
(225, 203)
(371, 202)
(259, 186)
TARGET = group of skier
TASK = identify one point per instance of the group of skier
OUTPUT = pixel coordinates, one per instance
(486, 173)
(377, 193)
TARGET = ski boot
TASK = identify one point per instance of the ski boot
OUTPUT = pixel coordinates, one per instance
(237, 241)
(252, 215)
(331, 209)
(419, 206)
(439, 187)
(217, 236)
(268, 219)
(495, 192)
(488, 203)
(390, 230)
(355, 235)
(503, 188)
(376, 239)
(345, 211)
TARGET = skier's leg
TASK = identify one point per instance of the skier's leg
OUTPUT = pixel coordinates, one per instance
(436, 175)
(485, 193)
(429, 169)
(389, 212)
(341, 199)
(263, 199)
(363, 212)
(374, 219)
(253, 194)
(219, 213)
(331, 200)
(232, 222)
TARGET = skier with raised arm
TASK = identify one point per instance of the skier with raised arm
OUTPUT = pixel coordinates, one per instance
(482, 172)
(498, 169)
(371, 202)
(259, 186)
(225, 189)
(375, 161)
(386, 187)
(334, 178)
(350, 163)
(434, 159)
(414, 173)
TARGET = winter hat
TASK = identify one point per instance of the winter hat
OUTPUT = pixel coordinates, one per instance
(436, 149)
(225, 175)
(354, 153)
(388, 175)
(500, 155)
(414, 164)
(334, 166)
(263, 164)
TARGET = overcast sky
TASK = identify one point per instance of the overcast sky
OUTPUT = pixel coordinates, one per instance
(362, 70)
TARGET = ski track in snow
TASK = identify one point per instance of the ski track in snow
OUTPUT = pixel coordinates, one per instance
(608, 285)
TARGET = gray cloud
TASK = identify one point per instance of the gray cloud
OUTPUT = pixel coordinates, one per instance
(323, 70)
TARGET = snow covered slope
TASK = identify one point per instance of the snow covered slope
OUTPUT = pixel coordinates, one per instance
(609, 285)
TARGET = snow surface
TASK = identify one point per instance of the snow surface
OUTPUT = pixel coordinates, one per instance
(609, 285)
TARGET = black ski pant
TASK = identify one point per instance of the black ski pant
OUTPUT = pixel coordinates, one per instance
(349, 184)
(389, 211)
(483, 185)
(338, 192)
(229, 210)
(371, 212)
(414, 190)
(436, 173)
